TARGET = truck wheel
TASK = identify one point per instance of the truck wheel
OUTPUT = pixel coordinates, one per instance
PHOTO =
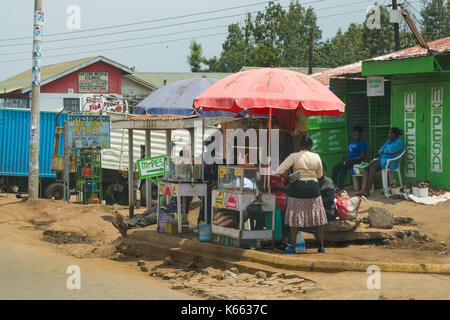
(54, 191)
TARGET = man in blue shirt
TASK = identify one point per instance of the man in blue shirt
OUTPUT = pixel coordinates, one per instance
(393, 147)
(356, 154)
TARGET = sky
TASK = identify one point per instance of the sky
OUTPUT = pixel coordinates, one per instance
(162, 46)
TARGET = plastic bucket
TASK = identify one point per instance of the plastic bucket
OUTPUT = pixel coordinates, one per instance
(422, 192)
(204, 232)
(356, 169)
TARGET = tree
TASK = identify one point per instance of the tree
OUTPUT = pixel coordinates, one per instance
(378, 42)
(195, 58)
(435, 19)
(297, 25)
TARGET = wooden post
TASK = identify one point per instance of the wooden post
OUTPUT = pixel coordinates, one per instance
(148, 154)
(33, 168)
(130, 174)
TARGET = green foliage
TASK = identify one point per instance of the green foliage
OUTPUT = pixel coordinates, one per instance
(196, 58)
(435, 19)
(281, 37)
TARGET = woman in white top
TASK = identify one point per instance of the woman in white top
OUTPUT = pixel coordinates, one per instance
(304, 207)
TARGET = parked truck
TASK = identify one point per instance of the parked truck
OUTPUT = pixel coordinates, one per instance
(14, 155)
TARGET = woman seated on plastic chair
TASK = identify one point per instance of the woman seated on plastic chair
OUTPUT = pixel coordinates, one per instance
(391, 149)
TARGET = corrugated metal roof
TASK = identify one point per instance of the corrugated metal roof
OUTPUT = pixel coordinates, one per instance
(22, 81)
(156, 79)
(324, 77)
(154, 117)
(439, 46)
(303, 70)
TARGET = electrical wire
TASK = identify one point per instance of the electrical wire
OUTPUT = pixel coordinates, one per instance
(153, 43)
(166, 26)
(147, 21)
(123, 40)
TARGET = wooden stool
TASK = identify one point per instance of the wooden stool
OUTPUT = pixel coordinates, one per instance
(356, 186)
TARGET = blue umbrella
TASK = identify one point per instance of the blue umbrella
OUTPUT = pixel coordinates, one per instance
(177, 99)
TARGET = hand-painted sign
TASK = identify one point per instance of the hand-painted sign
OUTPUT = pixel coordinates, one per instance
(375, 86)
(109, 104)
(151, 167)
(218, 199)
(89, 130)
(232, 201)
(410, 134)
(436, 129)
(93, 82)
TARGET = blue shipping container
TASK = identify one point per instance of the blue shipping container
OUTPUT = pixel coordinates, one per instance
(15, 141)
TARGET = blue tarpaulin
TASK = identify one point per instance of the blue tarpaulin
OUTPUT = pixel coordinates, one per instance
(177, 98)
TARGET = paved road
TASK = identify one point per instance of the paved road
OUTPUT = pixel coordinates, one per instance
(28, 272)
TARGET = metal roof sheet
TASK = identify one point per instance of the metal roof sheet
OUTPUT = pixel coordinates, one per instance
(22, 81)
(439, 46)
(156, 79)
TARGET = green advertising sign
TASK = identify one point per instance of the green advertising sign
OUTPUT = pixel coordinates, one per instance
(326, 141)
(151, 167)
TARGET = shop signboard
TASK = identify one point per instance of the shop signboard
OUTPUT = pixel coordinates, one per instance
(89, 131)
(151, 167)
(410, 134)
(436, 129)
(93, 82)
(232, 201)
(329, 140)
(218, 199)
(375, 86)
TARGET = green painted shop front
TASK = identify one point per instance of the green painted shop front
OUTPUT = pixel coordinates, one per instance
(331, 135)
(420, 93)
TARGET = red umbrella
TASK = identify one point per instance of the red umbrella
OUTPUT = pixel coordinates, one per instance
(261, 90)
(266, 90)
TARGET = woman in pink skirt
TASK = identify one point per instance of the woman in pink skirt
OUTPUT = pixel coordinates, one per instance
(304, 207)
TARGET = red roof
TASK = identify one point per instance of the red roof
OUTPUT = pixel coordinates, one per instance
(440, 46)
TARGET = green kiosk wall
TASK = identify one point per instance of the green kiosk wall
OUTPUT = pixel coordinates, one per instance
(420, 106)
(329, 135)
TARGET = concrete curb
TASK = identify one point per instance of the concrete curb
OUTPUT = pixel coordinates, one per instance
(151, 239)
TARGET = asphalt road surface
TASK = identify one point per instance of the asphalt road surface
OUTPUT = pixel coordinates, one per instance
(28, 272)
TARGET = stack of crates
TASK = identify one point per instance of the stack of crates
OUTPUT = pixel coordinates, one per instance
(89, 176)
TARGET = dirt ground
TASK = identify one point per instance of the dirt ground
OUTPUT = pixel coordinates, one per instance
(85, 232)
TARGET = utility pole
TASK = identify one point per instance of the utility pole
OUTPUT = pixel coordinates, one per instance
(396, 28)
(310, 52)
(33, 170)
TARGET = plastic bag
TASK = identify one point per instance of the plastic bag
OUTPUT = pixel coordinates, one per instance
(347, 207)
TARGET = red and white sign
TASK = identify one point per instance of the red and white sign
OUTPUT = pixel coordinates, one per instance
(100, 103)
(232, 201)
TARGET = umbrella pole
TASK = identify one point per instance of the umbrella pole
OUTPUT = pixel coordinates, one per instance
(270, 150)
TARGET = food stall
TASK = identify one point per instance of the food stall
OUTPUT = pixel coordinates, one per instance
(181, 180)
(277, 93)
(239, 187)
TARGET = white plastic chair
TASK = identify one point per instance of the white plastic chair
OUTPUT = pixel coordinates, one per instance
(387, 170)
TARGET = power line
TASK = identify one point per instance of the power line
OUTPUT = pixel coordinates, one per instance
(124, 47)
(122, 40)
(147, 37)
(160, 42)
(169, 25)
(147, 21)
(143, 29)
